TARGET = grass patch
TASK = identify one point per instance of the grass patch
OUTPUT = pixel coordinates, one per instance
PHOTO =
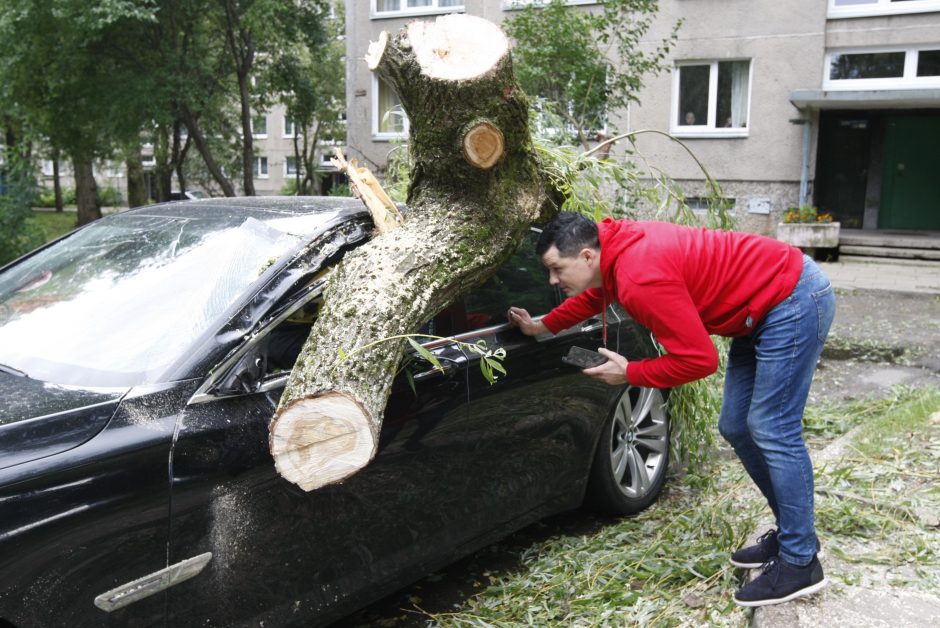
(669, 565)
(878, 504)
(55, 224)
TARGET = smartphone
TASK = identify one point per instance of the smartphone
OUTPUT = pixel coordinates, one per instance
(583, 358)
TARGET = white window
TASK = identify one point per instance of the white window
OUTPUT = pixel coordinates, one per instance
(711, 98)
(388, 117)
(290, 128)
(259, 126)
(862, 8)
(397, 8)
(290, 167)
(261, 167)
(47, 168)
(904, 68)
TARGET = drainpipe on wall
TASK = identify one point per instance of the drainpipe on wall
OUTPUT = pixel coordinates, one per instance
(807, 123)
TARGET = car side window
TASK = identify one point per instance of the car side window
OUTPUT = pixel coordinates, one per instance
(522, 282)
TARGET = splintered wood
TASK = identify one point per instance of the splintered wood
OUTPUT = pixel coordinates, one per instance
(367, 188)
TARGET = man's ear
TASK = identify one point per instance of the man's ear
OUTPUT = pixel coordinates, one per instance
(589, 255)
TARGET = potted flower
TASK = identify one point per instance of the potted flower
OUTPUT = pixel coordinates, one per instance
(807, 229)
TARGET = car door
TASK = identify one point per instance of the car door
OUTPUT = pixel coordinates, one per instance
(283, 556)
(537, 424)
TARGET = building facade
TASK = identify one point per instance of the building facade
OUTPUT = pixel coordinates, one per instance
(828, 102)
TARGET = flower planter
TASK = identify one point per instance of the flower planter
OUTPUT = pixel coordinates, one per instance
(809, 235)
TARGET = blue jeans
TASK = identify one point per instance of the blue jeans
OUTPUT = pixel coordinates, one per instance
(766, 385)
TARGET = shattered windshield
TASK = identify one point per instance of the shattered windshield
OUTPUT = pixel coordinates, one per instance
(118, 302)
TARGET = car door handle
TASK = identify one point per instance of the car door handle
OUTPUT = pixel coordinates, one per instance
(591, 324)
(447, 367)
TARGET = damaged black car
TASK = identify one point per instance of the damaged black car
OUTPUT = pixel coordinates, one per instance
(141, 360)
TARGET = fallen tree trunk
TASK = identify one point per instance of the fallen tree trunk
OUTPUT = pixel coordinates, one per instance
(475, 188)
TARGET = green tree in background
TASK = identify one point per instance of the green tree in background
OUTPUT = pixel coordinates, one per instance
(18, 234)
(584, 64)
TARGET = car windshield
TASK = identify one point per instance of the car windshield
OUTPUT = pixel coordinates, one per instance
(118, 302)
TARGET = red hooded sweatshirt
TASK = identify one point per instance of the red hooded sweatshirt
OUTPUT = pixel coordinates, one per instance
(684, 283)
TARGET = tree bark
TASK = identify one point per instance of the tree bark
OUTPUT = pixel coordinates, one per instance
(242, 47)
(136, 186)
(86, 191)
(475, 188)
(57, 182)
(202, 145)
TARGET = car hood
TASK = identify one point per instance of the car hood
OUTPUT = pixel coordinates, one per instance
(38, 419)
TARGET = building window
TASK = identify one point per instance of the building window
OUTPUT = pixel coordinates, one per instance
(261, 167)
(711, 98)
(259, 126)
(47, 168)
(909, 68)
(290, 128)
(862, 8)
(396, 8)
(388, 118)
(290, 167)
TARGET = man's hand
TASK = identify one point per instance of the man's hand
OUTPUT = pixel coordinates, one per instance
(613, 371)
(520, 318)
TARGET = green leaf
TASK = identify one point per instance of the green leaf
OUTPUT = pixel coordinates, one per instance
(427, 355)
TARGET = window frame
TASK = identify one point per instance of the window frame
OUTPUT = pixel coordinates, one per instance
(881, 7)
(908, 80)
(289, 128)
(298, 168)
(709, 129)
(378, 135)
(257, 167)
(264, 132)
(434, 9)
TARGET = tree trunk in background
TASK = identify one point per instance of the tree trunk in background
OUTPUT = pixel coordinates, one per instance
(163, 167)
(195, 132)
(136, 186)
(86, 191)
(57, 182)
(242, 47)
(475, 188)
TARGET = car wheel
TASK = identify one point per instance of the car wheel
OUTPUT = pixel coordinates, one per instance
(633, 453)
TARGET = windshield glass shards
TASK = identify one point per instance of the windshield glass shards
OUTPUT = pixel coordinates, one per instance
(119, 301)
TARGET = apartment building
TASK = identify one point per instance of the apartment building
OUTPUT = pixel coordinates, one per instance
(828, 102)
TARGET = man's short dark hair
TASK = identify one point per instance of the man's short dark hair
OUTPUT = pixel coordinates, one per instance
(569, 232)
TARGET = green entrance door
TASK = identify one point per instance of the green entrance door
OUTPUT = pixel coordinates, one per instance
(910, 193)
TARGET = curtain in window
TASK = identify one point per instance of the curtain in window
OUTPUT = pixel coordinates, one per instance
(739, 80)
(391, 115)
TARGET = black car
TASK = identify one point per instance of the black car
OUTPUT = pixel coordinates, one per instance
(142, 358)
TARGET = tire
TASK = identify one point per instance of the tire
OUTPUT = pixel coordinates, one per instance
(632, 456)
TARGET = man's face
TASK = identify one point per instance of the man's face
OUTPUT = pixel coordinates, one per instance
(574, 274)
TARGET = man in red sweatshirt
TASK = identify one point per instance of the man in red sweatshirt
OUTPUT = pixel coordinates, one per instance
(684, 284)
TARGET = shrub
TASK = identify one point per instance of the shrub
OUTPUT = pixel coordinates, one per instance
(109, 196)
(340, 189)
(18, 233)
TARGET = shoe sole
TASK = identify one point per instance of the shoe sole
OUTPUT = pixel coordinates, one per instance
(820, 555)
(802, 592)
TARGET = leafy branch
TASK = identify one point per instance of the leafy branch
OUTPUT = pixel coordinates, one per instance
(491, 360)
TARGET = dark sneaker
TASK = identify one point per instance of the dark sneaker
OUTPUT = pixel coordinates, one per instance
(756, 555)
(781, 582)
